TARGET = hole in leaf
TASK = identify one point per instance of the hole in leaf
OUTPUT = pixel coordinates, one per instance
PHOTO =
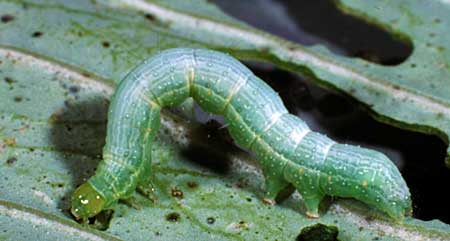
(318, 232)
(173, 217)
(321, 22)
(210, 220)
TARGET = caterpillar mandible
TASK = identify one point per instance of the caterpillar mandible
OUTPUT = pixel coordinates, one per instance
(287, 150)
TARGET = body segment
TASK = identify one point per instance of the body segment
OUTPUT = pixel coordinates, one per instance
(287, 150)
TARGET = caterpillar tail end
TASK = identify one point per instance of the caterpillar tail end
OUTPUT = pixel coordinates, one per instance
(86, 202)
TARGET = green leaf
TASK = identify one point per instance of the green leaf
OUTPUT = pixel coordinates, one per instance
(59, 63)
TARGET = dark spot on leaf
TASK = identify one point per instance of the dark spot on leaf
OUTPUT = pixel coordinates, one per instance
(11, 161)
(249, 199)
(192, 184)
(18, 98)
(173, 217)
(292, 47)
(106, 44)
(437, 20)
(318, 232)
(242, 225)
(9, 80)
(242, 183)
(74, 89)
(150, 17)
(7, 18)
(37, 34)
(210, 220)
(10, 141)
(413, 65)
(177, 192)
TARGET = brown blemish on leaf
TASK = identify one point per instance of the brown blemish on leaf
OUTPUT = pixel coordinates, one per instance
(11, 161)
(106, 44)
(37, 34)
(192, 184)
(10, 141)
(7, 18)
(9, 80)
(173, 217)
(18, 98)
(177, 192)
(74, 89)
(150, 17)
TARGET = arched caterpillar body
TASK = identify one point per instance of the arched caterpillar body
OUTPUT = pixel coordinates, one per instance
(287, 150)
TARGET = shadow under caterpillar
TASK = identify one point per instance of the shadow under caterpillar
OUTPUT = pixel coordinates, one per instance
(287, 150)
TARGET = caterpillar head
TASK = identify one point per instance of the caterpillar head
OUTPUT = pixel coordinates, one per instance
(86, 202)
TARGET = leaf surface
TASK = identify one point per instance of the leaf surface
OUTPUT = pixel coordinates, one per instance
(59, 64)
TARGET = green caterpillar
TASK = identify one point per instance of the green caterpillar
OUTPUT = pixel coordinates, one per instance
(287, 150)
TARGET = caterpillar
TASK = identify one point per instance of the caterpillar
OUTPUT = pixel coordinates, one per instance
(288, 152)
